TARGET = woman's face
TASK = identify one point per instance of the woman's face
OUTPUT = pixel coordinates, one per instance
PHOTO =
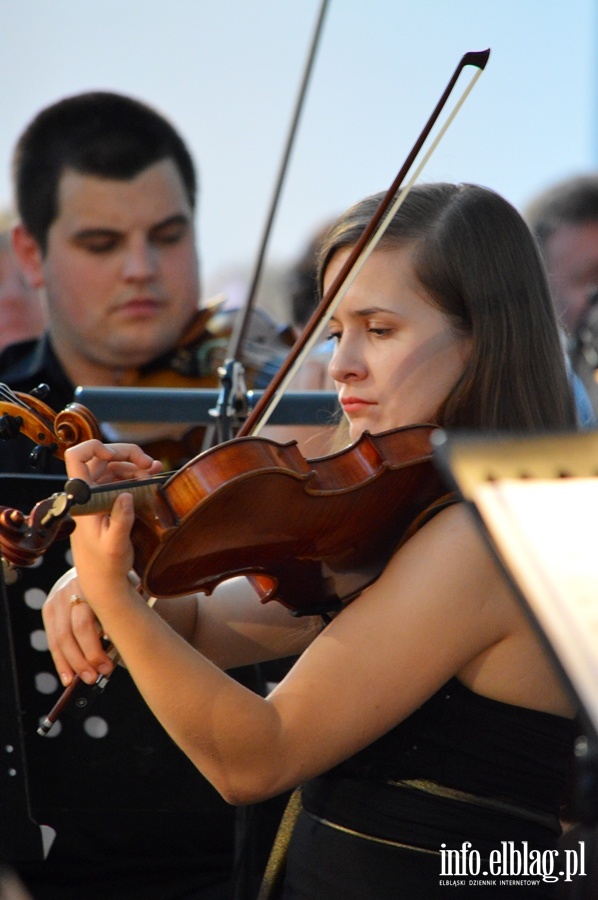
(396, 356)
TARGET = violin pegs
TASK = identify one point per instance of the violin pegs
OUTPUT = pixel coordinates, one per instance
(41, 391)
(40, 455)
(10, 426)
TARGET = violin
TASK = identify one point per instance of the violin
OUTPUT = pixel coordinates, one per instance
(298, 528)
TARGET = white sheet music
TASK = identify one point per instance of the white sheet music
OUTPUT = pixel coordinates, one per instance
(546, 531)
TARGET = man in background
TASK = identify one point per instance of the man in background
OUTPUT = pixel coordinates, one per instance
(564, 219)
(106, 193)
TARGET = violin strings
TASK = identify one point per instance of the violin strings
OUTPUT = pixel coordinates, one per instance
(7, 394)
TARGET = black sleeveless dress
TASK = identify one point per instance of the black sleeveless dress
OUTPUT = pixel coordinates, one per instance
(462, 768)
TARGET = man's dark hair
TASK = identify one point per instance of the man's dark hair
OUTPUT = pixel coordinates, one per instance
(97, 133)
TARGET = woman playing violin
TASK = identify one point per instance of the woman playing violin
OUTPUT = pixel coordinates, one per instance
(425, 714)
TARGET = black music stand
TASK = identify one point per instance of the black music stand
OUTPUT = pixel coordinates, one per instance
(194, 405)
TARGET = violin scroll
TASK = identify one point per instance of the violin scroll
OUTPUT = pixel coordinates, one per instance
(50, 432)
(74, 425)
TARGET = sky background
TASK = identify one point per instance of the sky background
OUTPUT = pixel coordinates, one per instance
(227, 73)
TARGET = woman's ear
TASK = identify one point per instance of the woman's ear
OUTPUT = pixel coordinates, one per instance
(29, 255)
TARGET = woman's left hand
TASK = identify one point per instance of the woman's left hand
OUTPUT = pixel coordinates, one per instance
(101, 544)
(98, 463)
(103, 556)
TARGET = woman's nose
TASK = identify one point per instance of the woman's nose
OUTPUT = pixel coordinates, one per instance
(347, 363)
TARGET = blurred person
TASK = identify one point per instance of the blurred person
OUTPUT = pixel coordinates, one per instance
(106, 193)
(300, 290)
(22, 314)
(564, 220)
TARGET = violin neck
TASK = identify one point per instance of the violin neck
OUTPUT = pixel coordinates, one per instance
(103, 497)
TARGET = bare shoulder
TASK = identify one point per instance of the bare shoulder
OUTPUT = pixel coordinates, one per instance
(450, 553)
(514, 666)
(443, 607)
(440, 602)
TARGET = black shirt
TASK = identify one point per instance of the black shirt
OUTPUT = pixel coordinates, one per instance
(133, 816)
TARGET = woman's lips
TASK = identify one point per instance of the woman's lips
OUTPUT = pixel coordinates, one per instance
(355, 404)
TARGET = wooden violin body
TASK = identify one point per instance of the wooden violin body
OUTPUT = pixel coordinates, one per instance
(311, 533)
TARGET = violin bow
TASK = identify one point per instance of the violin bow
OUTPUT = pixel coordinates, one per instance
(367, 243)
(233, 393)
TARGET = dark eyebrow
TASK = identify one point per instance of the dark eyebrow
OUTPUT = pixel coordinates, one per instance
(177, 219)
(85, 233)
(370, 311)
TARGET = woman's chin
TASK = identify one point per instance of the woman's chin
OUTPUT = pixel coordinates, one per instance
(355, 431)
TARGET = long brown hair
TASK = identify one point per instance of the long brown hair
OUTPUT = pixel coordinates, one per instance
(478, 261)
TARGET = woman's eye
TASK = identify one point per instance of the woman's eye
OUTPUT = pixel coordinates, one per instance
(333, 336)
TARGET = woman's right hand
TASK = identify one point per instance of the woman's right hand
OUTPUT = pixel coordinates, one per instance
(74, 633)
